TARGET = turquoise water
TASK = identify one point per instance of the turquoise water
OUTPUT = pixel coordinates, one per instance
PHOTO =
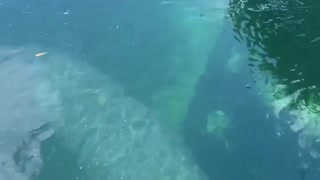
(134, 83)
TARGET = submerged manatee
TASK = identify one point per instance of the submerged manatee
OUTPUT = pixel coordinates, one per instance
(26, 99)
(115, 136)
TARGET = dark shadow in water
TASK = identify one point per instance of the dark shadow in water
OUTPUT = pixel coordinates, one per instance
(254, 151)
(59, 162)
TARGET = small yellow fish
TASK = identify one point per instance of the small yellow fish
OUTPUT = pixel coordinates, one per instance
(41, 54)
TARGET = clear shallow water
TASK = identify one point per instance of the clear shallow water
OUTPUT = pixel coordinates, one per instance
(181, 59)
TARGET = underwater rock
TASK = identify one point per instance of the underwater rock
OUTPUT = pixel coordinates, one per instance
(115, 136)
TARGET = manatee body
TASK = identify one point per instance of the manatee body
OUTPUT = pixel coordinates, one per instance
(115, 136)
(26, 100)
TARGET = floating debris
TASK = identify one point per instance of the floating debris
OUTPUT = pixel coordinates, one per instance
(248, 86)
(66, 12)
(166, 2)
(295, 81)
(315, 39)
(41, 54)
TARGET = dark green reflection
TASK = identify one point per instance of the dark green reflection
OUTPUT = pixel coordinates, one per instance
(59, 162)
(288, 32)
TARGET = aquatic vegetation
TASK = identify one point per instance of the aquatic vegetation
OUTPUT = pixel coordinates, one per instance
(304, 121)
(301, 116)
(115, 136)
(282, 42)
